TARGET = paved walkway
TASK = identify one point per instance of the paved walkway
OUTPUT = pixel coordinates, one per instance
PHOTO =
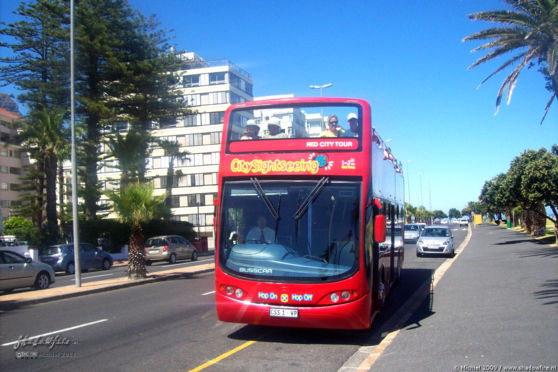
(496, 307)
(51, 294)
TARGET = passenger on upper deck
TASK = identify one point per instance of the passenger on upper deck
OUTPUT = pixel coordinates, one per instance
(352, 119)
(274, 128)
(251, 131)
(333, 129)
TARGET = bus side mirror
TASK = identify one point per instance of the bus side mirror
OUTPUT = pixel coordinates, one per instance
(380, 228)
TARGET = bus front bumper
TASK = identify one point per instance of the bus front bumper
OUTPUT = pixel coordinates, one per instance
(352, 315)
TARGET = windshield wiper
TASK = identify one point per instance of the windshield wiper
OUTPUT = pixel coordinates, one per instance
(310, 198)
(264, 197)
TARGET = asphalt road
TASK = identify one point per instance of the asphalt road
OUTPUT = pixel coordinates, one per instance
(172, 325)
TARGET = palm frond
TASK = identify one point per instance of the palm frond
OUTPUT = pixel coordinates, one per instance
(514, 59)
(548, 106)
(505, 17)
(493, 54)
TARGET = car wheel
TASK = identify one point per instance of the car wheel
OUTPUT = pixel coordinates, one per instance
(172, 259)
(42, 281)
(194, 255)
(106, 264)
(419, 255)
(70, 268)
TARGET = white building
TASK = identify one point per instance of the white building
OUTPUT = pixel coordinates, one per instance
(13, 162)
(209, 88)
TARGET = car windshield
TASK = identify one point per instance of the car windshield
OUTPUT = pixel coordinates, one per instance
(290, 230)
(434, 232)
(412, 227)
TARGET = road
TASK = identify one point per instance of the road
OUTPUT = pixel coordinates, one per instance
(172, 325)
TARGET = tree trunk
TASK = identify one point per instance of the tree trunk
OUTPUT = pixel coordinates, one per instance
(136, 256)
(51, 166)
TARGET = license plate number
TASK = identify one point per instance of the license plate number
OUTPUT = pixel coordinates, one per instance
(283, 313)
(154, 251)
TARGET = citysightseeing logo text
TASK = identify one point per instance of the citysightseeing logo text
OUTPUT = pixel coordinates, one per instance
(266, 166)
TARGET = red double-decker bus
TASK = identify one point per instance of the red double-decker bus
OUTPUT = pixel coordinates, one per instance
(306, 189)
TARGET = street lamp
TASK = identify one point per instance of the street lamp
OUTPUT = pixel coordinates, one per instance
(408, 180)
(321, 87)
(199, 235)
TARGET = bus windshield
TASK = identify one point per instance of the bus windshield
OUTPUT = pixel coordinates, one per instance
(290, 230)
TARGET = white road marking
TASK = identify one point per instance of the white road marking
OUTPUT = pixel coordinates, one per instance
(208, 293)
(59, 331)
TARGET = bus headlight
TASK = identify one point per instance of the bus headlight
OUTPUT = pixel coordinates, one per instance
(334, 297)
(238, 293)
(345, 295)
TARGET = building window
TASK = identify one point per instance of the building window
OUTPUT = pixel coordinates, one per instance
(216, 117)
(217, 78)
(235, 98)
(175, 201)
(215, 138)
(191, 81)
(191, 120)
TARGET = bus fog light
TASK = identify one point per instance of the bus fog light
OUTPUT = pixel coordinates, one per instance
(334, 297)
(345, 295)
(229, 290)
(238, 293)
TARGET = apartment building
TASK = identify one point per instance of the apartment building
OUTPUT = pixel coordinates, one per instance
(209, 87)
(13, 162)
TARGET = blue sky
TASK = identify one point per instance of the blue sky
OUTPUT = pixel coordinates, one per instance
(406, 58)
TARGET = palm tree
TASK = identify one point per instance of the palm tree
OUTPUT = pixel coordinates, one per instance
(47, 139)
(532, 31)
(172, 150)
(127, 150)
(135, 204)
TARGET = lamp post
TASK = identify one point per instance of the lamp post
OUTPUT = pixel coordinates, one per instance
(408, 180)
(199, 235)
(321, 87)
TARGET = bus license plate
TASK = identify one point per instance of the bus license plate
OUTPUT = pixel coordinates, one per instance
(283, 313)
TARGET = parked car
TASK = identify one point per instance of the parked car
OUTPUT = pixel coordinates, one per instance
(412, 232)
(399, 243)
(17, 271)
(463, 221)
(436, 239)
(61, 257)
(169, 248)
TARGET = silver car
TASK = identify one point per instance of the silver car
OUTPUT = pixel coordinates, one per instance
(17, 271)
(412, 232)
(436, 239)
(169, 248)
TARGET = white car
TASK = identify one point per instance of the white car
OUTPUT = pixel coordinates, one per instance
(463, 221)
(436, 240)
(412, 232)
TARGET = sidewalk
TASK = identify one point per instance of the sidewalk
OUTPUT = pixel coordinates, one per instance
(52, 294)
(495, 308)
